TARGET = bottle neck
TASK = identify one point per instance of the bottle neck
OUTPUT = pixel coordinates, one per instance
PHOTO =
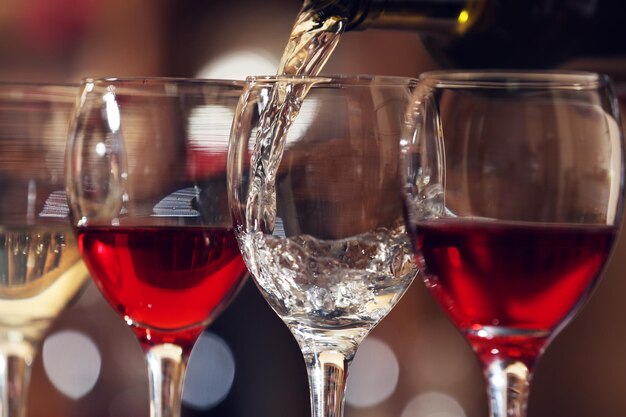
(493, 33)
(435, 17)
(446, 17)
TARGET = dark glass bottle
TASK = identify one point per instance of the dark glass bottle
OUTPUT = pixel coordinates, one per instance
(497, 33)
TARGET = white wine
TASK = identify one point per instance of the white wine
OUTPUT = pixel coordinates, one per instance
(345, 284)
(40, 272)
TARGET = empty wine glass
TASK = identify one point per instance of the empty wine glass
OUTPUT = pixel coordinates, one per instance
(513, 192)
(316, 206)
(146, 180)
(40, 267)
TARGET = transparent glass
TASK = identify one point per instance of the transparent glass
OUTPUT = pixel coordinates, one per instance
(40, 267)
(513, 186)
(146, 180)
(317, 212)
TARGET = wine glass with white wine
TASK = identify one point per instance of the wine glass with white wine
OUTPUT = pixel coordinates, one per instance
(316, 205)
(40, 266)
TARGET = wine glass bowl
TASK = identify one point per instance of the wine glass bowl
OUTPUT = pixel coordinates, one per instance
(147, 191)
(319, 219)
(513, 198)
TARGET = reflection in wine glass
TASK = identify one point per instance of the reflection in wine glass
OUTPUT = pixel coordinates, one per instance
(40, 266)
(147, 188)
(514, 188)
(319, 222)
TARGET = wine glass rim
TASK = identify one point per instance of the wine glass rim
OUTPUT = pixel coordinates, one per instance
(39, 91)
(25, 84)
(333, 80)
(566, 79)
(137, 81)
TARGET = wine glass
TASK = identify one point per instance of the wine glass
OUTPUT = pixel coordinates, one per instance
(317, 211)
(146, 180)
(40, 266)
(513, 197)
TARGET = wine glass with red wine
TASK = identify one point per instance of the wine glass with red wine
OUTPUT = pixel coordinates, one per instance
(146, 180)
(513, 199)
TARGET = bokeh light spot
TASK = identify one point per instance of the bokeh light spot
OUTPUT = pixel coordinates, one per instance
(72, 362)
(237, 65)
(210, 372)
(373, 374)
(433, 404)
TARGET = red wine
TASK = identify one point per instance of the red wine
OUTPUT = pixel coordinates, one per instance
(515, 281)
(169, 281)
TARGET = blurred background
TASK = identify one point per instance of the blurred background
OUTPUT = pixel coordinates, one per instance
(414, 364)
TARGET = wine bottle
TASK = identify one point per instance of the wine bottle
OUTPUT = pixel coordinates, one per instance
(496, 33)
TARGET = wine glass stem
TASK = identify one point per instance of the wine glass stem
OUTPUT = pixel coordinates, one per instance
(166, 372)
(328, 372)
(507, 386)
(15, 369)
